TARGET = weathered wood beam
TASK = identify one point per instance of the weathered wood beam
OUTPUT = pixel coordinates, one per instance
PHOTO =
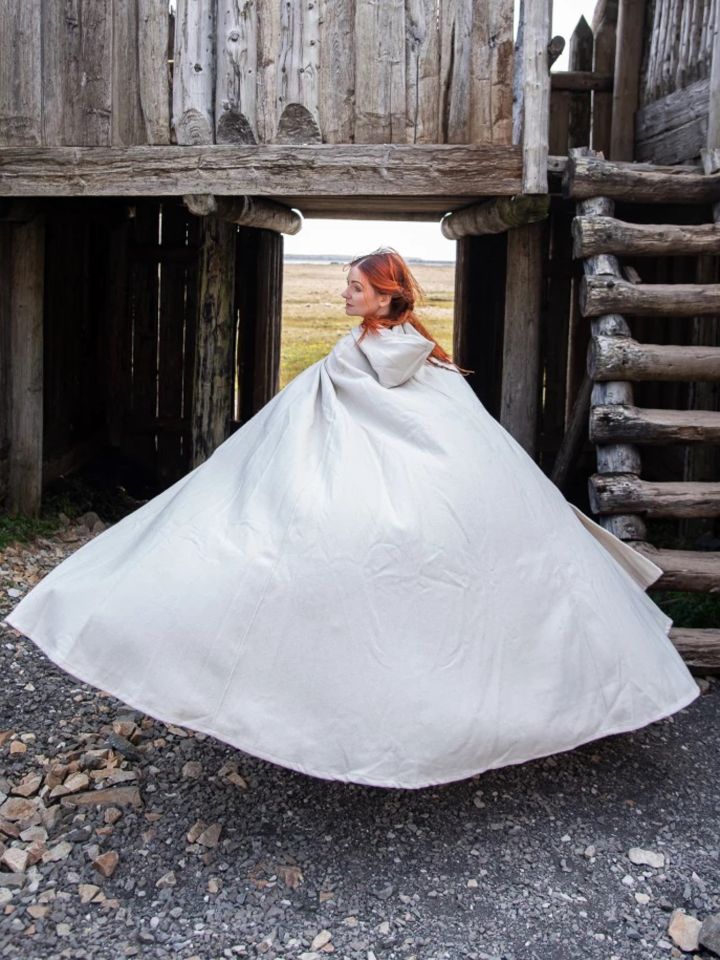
(194, 72)
(246, 211)
(628, 57)
(574, 435)
(581, 81)
(26, 272)
(638, 182)
(495, 216)
(214, 367)
(713, 130)
(520, 393)
(673, 129)
(699, 648)
(697, 571)
(600, 295)
(604, 27)
(622, 358)
(593, 235)
(533, 78)
(626, 493)
(482, 169)
(616, 423)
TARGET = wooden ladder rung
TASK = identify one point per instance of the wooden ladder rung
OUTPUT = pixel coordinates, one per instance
(595, 235)
(627, 493)
(697, 571)
(619, 423)
(699, 648)
(602, 295)
(622, 358)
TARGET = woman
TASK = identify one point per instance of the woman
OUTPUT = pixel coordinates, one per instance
(370, 581)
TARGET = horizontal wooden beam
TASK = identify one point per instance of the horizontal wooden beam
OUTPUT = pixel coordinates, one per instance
(617, 423)
(697, 571)
(586, 177)
(246, 211)
(604, 294)
(699, 648)
(622, 358)
(595, 235)
(495, 216)
(580, 81)
(265, 170)
(627, 493)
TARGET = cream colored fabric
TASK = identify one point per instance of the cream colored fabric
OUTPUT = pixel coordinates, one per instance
(368, 583)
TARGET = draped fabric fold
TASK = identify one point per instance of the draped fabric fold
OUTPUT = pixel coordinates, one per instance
(368, 584)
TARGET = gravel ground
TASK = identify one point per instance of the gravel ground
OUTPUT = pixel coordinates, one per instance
(199, 851)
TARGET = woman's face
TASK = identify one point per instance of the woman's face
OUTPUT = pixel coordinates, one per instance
(361, 299)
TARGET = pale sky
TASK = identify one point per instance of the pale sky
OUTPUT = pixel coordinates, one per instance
(412, 239)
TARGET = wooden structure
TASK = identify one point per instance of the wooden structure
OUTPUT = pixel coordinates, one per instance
(150, 164)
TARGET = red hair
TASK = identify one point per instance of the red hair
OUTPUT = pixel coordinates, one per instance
(387, 273)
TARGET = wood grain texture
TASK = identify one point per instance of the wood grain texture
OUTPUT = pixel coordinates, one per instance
(601, 295)
(616, 423)
(694, 570)
(194, 72)
(586, 177)
(154, 70)
(622, 358)
(336, 80)
(380, 74)
(594, 235)
(25, 386)
(21, 73)
(236, 82)
(421, 170)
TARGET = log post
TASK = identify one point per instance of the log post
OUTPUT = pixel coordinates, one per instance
(581, 59)
(246, 211)
(494, 216)
(24, 386)
(269, 317)
(588, 176)
(628, 57)
(532, 85)
(214, 345)
(604, 30)
(258, 296)
(480, 269)
(521, 343)
(194, 71)
(594, 235)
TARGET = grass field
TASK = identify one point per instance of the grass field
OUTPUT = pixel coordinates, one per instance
(314, 311)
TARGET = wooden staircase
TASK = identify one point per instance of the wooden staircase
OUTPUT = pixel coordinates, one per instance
(615, 361)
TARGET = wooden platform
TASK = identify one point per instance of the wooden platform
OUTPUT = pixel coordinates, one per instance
(320, 180)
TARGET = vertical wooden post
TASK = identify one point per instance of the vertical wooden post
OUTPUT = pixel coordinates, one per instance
(580, 58)
(604, 29)
(214, 345)
(259, 302)
(479, 309)
(534, 89)
(628, 55)
(194, 72)
(701, 462)
(269, 317)
(25, 374)
(521, 345)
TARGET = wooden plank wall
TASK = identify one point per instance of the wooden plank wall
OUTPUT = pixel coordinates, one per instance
(84, 72)
(671, 123)
(100, 72)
